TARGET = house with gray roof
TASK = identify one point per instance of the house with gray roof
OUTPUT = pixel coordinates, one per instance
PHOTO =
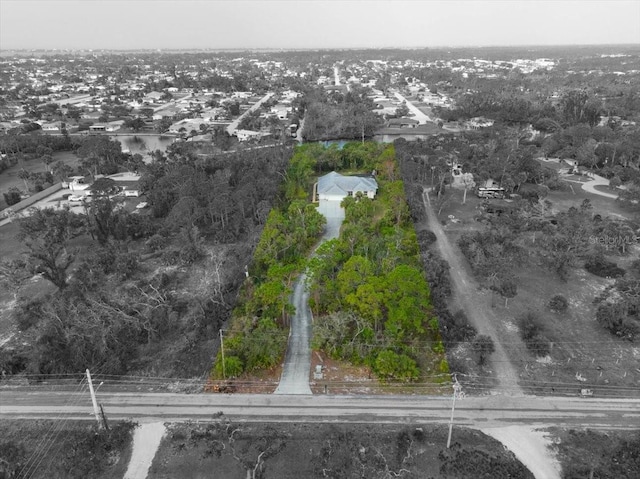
(335, 187)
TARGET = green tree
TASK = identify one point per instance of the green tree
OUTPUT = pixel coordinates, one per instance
(578, 107)
(99, 154)
(135, 124)
(46, 234)
(402, 110)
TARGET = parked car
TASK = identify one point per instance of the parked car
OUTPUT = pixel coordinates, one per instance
(76, 200)
(141, 205)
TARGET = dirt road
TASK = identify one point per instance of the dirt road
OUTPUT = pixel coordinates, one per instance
(467, 298)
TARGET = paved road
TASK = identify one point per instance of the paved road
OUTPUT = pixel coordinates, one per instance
(231, 129)
(417, 113)
(296, 369)
(482, 412)
(468, 299)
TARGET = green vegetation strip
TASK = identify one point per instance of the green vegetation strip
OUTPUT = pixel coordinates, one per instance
(370, 300)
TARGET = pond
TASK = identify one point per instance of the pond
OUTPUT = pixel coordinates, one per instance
(143, 143)
(406, 136)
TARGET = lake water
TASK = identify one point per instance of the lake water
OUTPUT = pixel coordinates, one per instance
(340, 143)
(392, 138)
(143, 143)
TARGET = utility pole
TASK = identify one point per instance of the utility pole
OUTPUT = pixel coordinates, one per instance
(457, 393)
(224, 369)
(96, 412)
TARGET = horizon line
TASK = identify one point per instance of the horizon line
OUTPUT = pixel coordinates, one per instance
(8, 51)
(155, 49)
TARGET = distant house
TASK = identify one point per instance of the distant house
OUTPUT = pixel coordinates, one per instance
(54, 127)
(246, 135)
(152, 97)
(76, 183)
(91, 115)
(169, 113)
(490, 189)
(336, 187)
(110, 126)
(282, 111)
(479, 122)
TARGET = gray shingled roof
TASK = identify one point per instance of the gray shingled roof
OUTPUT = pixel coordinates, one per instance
(337, 184)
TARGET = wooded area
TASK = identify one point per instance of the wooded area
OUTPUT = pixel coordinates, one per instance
(143, 293)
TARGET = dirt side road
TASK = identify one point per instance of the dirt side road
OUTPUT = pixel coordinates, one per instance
(146, 440)
(467, 297)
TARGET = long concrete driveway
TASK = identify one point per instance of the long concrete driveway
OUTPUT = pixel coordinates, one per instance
(297, 363)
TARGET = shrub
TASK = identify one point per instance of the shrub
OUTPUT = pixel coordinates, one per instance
(171, 257)
(12, 196)
(539, 345)
(483, 346)
(615, 318)
(458, 365)
(443, 367)
(233, 366)
(558, 304)
(28, 311)
(456, 327)
(531, 330)
(635, 267)
(597, 264)
(530, 325)
(426, 238)
(156, 242)
(391, 365)
(126, 264)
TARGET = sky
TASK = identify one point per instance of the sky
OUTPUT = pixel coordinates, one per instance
(311, 24)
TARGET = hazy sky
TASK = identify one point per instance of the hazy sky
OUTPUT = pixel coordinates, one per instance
(116, 24)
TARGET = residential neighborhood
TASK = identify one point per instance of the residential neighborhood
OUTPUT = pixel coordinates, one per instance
(263, 255)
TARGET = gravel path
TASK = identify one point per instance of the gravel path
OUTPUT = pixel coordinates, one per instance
(466, 296)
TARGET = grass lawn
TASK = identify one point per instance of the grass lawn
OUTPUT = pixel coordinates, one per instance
(9, 178)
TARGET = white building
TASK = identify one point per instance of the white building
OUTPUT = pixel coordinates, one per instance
(336, 187)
